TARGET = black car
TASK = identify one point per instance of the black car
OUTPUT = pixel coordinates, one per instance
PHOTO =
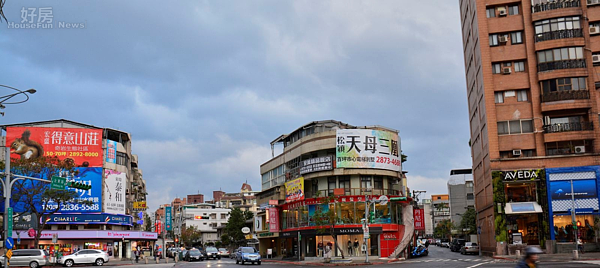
(194, 254)
(457, 244)
(212, 253)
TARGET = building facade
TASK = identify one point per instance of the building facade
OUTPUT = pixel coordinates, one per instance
(428, 212)
(460, 193)
(103, 159)
(346, 163)
(531, 72)
(440, 206)
(204, 217)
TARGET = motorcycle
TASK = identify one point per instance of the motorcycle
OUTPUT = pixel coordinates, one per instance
(419, 251)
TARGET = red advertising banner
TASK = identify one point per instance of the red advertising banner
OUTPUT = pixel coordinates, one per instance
(419, 217)
(273, 220)
(81, 145)
(157, 227)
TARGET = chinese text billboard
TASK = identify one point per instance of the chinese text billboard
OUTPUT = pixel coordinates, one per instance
(81, 145)
(294, 190)
(366, 148)
(419, 219)
(168, 219)
(114, 191)
(111, 151)
(273, 220)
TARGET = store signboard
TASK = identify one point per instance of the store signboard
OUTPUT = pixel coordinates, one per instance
(582, 189)
(81, 145)
(316, 164)
(367, 148)
(102, 218)
(418, 215)
(168, 219)
(294, 190)
(273, 220)
(114, 191)
(111, 152)
(90, 234)
(25, 221)
(140, 205)
(519, 175)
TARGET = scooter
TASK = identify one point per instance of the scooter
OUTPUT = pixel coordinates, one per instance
(419, 251)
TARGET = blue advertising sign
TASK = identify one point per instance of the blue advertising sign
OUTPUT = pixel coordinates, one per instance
(111, 151)
(561, 190)
(168, 219)
(102, 218)
(86, 175)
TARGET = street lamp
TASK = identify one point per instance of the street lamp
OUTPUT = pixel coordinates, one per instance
(4, 99)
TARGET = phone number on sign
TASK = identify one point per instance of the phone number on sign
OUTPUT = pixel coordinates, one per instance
(387, 160)
(72, 207)
(73, 154)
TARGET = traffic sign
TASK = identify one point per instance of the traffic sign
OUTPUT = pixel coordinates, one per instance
(9, 217)
(10, 243)
(58, 183)
(9, 253)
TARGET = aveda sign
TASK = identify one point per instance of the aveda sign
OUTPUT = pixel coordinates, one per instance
(522, 175)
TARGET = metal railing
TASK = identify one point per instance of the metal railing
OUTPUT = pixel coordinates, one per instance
(559, 65)
(358, 191)
(560, 34)
(552, 5)
(566, 127)
(563, 151)
(566, 95)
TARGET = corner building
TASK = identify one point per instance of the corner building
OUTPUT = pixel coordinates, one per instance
(531, 73)
(331, 158)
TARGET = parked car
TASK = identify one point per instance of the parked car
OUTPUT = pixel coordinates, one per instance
(438, 242)
(457, 244)
(182, 254)
(33, 258)
(84, 256)
(469, 247)
(223, 252)
(212, 253)
(445, 243)
(247, 254)
(195, 255)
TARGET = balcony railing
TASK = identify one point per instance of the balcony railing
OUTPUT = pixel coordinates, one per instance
(552, 5)
(566, 151)
(560, 34)
(358, 191)
(559, 65)
(566, 95)
(566, 127)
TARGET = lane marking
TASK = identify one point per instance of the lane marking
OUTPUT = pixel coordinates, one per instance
(473, 266)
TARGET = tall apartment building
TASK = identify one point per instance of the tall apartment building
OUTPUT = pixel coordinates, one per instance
(533, 107)
(460, 191)
(440, 206)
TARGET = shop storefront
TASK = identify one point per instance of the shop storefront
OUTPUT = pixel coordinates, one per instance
(268, 244)
(574, 189)
(521, 207)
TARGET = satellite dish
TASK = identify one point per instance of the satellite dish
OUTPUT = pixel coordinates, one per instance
(383, 200)
(246, 230)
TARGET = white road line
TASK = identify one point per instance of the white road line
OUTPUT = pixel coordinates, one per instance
(473, 266)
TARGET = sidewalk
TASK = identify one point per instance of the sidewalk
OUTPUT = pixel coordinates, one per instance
(355, 261)
(559, 257)
(113, 262)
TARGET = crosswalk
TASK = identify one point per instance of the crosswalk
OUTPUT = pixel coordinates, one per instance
(588, 262)
(442, 260)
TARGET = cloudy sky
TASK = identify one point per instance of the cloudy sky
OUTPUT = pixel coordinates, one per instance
(204, 86)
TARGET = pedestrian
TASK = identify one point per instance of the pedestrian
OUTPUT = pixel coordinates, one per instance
(427, 244)
(580, 245)
(137, 256)
(531, 258)
(155, 253)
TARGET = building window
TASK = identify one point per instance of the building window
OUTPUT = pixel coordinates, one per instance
(560, 54)
(558, 24)
(513, 10)
(516, 38)
(470, 196)
(223, 216)
(499, 97)
(564, 84)
(522, 95)
(519, 66)
(366, 182)
(378, 183)
(344, 182)
(331, 185)
(496, 68)
(121, 159)
(493, 40)
(515, 127)
(490, 12)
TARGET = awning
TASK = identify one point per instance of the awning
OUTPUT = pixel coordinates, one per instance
(522, 208)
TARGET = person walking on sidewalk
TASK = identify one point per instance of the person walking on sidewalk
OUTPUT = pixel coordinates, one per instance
(531, 258)
(137, 256)
(580, 245)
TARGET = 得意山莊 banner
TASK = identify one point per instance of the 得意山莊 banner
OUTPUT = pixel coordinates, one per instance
(83, 146)
(367, 148)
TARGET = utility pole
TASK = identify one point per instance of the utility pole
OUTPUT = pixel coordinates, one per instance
(366, 223)
(574, 220)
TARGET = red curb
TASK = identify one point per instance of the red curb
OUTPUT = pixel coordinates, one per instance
(503, 258)
(324, 264)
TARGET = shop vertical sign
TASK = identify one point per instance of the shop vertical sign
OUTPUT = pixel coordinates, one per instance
(111, 151)
(168, 219)
(273, 220)
(419, 219)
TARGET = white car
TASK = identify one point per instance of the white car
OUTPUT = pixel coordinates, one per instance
(94, 256)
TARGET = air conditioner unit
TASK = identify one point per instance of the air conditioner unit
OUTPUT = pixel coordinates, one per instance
(516, 152)
(594, 29)
(502, 11)
(593, 2)
(595, 58)
(506, 70)
(579, 149)
(502, 39)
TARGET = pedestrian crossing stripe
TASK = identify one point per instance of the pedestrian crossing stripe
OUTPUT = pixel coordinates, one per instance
(442, 260)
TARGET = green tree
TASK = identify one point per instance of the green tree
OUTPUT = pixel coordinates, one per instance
(469, 221)
(232, 233)
(36, 196)
(443, 229)
(190, 236)
(325, 220)
(147, 223)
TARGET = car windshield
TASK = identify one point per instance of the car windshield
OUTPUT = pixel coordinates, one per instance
(248, 250)
(222, 249)
(194, 252)
(210, 249)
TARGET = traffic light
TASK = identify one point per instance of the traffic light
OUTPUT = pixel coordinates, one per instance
(79, 185)
(371, 216)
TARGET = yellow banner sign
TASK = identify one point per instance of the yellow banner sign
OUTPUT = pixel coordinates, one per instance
(141, 205)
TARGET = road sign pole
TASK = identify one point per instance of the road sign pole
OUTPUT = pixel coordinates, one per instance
(7, 193)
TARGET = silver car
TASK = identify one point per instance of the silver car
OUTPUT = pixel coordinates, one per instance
(94, 256)
(33, 258)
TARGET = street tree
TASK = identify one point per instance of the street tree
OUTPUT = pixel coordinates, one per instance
(36, 197)
(233, 235)
(325, 220)
(190, 235)
(469, 221)
(443, 229)
(147, 223)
